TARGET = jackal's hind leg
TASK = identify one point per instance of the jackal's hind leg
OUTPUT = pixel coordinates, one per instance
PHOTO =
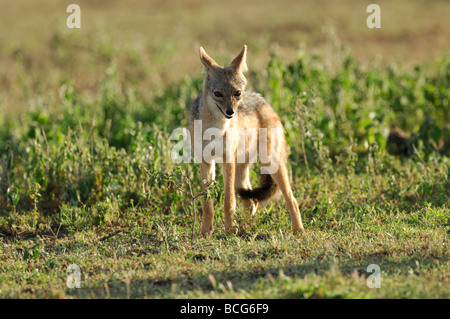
(243, 182)
(281, 178)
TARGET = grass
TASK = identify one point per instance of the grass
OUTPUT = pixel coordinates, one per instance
(86, 175)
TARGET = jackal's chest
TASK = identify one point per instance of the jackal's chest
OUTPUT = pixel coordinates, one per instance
(217, 145)
(232, 145)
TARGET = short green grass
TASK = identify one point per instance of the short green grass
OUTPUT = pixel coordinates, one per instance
(86, 178)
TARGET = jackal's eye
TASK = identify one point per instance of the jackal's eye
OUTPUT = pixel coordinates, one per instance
(217, 93)
(237, 93)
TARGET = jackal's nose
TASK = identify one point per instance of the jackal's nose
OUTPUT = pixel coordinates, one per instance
(229, 112)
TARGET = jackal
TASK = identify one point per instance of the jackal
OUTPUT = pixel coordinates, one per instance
(225, 106)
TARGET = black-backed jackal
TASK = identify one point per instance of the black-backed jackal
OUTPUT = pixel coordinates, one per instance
(242, 124)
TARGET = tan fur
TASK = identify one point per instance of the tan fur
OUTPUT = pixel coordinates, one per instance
(224, 105)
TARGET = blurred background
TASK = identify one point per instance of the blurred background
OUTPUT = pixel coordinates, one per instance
(86, 169)
(156, 42)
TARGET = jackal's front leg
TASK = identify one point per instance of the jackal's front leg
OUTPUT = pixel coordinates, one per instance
(208, 176)
(229, 175)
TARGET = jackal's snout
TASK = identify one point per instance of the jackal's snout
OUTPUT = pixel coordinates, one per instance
(229, 112)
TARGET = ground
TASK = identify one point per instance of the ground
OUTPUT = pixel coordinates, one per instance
(87, 177)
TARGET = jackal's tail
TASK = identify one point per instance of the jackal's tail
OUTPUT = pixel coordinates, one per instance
(267, 190)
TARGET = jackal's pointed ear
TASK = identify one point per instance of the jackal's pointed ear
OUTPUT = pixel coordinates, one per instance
(208, 62)
(240, 62)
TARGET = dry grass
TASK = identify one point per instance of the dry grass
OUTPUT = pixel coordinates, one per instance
(418, 25)
(89, 169)
(167, 34)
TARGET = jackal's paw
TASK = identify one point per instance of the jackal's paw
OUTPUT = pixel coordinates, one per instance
(299, 231)
(206, 231)
(252, 209)
(229, 228)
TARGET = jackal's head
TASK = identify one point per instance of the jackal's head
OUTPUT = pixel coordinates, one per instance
(223, 87)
